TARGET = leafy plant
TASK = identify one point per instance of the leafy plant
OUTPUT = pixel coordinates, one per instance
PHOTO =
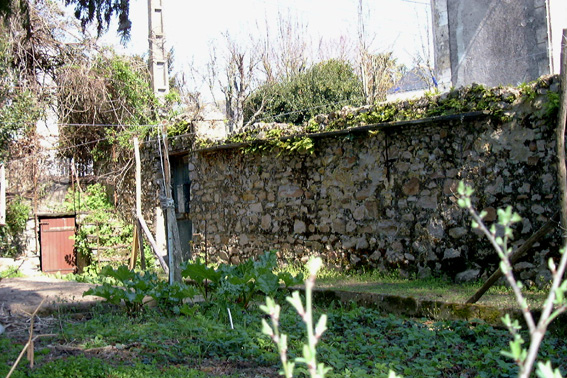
(132, 288)
(11, 235)
(102, 221)
(204, 278)
(555, 304)
(11, 272)
(314, 333)
(239, 283)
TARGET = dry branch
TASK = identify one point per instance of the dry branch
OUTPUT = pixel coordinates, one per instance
(29, 347)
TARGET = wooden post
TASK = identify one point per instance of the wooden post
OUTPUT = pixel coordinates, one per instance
(2, 195)
(139, 206)
(135, 247)
(550, 225)
(561, 170)
(141, 245)
(173, 241)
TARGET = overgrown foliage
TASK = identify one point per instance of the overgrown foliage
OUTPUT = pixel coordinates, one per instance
(20, 107)
(133, 288)
(497, 102)
(99, 12)
(12, 234)
(104, 101)
(101, 229)
(358, 343)
(239, 283)
(325, 87)
(227, 285)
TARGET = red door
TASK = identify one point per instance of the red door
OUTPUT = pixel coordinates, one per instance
(57, 245)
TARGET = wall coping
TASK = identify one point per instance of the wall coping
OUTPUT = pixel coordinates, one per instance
(352, 130)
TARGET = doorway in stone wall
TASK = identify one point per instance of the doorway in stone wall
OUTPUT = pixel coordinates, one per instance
(181, 186)
(57, 244)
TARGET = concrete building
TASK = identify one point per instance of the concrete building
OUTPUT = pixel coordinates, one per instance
(496, 42)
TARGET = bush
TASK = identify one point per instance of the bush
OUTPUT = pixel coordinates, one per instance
(325, 87)
(12, 234)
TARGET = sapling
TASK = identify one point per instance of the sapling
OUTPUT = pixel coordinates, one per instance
(554, 305)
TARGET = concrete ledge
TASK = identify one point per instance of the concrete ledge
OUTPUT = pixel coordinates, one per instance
(436, 310)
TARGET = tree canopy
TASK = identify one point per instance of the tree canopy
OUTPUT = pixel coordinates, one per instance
(99, 12)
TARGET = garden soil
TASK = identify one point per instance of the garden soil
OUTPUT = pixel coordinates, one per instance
(21, 296)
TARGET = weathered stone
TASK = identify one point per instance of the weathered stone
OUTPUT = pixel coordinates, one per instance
(537, 209)
(491, 214)
(409, 257)
(338, 226)
(289, 191)
(266, 222)
(458, 232)
(375, 256)
(397, 246)
(362, 243)
(248, 196)
(350, 227)
(359, 213)
(411, 187)
(243, 240)
(363, 194)
(299, 227)
(347, 197)
(435, 227)
(428, 202)
(256, 207)
(354, 259)
(451, 253)
(467, 276)
(524, 265)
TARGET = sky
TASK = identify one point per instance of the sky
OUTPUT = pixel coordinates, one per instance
(192, 28)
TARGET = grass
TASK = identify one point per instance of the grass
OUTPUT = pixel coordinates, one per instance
(359, 343)
(436, 289)
(11, 272)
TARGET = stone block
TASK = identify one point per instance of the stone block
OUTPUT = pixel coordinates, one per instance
(299, 227)
(467, 276)
(451, 253)
(411, 187)
(427, 202)
(266, 222)
(458, 232)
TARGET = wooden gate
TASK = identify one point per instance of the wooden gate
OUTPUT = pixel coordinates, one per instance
(57, 245)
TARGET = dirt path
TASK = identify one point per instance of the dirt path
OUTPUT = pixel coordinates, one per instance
(21, 296)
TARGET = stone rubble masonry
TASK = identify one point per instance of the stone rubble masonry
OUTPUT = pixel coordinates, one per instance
(386, 200)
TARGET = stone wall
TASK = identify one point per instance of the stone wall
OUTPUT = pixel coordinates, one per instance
(384, 198)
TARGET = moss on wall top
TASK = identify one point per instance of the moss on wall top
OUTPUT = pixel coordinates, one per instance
(542, 94)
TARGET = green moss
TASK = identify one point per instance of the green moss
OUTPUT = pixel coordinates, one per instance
(495, 101)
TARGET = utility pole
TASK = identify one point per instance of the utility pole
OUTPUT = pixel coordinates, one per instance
(158, 57)
(160, 86)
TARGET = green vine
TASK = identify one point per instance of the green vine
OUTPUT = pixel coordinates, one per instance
(495, 101)
(101, 223)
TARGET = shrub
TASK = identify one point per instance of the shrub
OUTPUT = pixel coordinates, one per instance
(12, 234)
(325, 87)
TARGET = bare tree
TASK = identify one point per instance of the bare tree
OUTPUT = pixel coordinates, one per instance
(240, 76)
(378, 72)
